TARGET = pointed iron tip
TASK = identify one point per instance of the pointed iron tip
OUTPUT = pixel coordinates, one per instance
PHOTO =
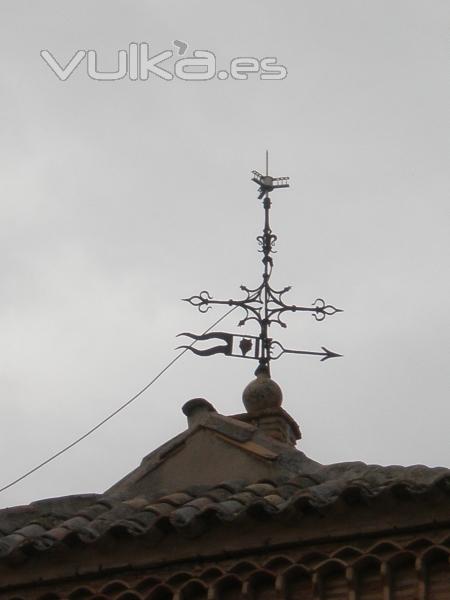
(329, 354)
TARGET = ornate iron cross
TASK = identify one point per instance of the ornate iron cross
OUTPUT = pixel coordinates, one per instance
(262, 304)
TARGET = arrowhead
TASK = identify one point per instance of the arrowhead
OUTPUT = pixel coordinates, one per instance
(328, 354)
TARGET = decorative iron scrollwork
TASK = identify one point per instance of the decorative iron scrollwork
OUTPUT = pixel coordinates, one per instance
(263, 304)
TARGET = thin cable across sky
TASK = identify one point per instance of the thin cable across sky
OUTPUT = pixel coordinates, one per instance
(114, 413)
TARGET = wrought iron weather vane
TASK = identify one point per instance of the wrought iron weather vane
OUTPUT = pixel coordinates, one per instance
(262, 304)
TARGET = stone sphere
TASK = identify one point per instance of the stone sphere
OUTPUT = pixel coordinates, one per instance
(261, 394)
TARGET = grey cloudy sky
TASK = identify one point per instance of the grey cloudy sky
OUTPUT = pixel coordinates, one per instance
(120, 198)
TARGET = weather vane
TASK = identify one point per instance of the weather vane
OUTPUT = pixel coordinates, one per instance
(262, 304)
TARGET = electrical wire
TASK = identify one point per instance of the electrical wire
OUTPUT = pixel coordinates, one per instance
(113, 414)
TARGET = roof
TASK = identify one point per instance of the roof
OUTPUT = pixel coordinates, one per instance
(245, 472)
(45, 524)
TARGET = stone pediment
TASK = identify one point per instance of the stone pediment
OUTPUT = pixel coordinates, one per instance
(214, 448)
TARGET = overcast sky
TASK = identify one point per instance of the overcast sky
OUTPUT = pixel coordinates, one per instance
(120, 198)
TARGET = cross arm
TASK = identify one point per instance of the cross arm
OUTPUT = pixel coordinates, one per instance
(252, 304)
